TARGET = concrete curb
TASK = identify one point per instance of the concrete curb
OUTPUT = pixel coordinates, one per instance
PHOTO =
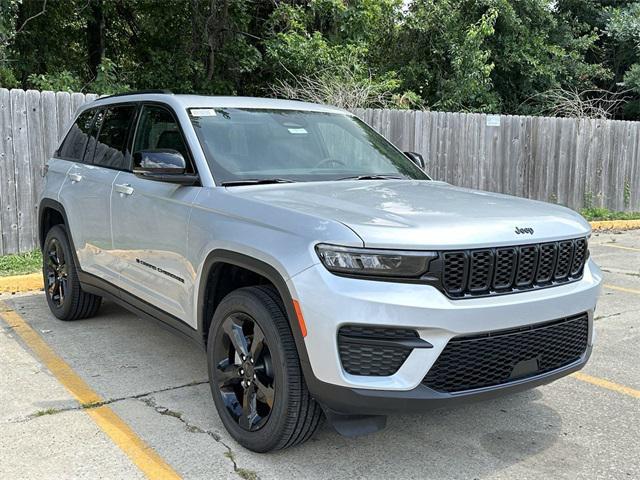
(33, 281)
(605, 225)
(21, 283)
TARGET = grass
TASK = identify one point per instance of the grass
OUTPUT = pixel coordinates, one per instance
(596, 213)
(48, 411)
(20, 263)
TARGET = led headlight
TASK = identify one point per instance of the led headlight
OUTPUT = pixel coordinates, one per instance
(364, 261)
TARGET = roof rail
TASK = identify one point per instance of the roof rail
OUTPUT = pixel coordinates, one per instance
(137, 92)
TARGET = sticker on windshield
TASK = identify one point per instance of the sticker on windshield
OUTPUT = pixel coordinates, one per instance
(202, 112)
(297, 131)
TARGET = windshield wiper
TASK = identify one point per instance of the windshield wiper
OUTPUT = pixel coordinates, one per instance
(256, 181)
(372, 177)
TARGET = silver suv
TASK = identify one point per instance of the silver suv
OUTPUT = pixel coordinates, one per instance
(324, 273)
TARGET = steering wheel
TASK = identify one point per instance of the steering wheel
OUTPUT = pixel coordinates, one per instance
(329, 161)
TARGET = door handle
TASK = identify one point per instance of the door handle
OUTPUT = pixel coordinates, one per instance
(75, 177)
(124, 188)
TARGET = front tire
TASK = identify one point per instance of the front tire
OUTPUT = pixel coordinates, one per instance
(65, 296)
(255, 375)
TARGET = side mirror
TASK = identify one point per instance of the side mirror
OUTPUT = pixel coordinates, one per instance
(416, 158)
(163, 165)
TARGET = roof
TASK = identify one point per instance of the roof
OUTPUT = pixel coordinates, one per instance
(195, 101)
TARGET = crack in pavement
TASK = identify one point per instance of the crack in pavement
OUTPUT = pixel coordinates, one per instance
(620, 272)
(192, 428)
(85, 406)
(602, 317)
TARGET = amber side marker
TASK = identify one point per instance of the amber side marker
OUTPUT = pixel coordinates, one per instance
(303, 326)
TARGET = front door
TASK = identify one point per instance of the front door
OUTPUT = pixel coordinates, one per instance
(150, 223)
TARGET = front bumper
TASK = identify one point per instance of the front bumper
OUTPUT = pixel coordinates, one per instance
(329, 302)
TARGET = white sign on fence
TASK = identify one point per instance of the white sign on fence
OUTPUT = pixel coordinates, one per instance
(493, 120)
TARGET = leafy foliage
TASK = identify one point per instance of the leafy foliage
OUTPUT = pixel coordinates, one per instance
(466, 55)
(597, 213)
(20, 263)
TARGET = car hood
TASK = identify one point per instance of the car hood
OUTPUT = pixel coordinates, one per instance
(423, 214)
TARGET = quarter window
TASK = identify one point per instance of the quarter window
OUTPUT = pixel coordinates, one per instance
(73, 146)
(111, 147)
(158, 130)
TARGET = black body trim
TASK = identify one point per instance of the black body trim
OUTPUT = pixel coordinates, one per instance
(96, 285)
(383, 342)
(271, 274)
(357, 401)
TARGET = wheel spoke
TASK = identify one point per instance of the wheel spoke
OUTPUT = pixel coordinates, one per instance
(237, 337)
(228, 373)
(59, 254)
(54, 287)
(265, 393)
(249, 411)
(62, 289)
(257, 342)
(52, 259)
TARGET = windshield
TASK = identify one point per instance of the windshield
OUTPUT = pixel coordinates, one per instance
(287, 145)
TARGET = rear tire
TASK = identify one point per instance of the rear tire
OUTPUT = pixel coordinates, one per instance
(280, 412)
(65, 296)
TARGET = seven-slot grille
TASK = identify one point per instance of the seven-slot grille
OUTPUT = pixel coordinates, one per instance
(476, 361)
(499, 270)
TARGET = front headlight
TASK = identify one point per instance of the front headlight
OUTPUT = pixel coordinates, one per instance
(364, 261)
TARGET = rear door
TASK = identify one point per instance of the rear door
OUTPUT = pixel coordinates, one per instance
(86, 194)
(151, 222)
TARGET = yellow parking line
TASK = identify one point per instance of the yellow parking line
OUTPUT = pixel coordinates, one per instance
(141, 454)
(620, 247)
(623, 289)
(601, 382)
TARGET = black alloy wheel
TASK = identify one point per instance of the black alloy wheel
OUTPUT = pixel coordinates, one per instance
(255, 375)
(244, 371)
(65, 296)
(56, 272)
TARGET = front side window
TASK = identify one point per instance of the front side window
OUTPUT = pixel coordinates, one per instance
(110, 149)
(74, 144)
(158, 130)
(247, 144)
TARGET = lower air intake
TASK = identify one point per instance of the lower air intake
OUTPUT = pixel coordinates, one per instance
(477, 361)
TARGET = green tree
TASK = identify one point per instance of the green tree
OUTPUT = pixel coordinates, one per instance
(470, 55)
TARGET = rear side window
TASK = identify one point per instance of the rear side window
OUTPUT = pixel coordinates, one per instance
(158, 130)
(110, 150)
(73, 146)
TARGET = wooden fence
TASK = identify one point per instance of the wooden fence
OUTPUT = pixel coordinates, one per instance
(570, 161)
(574, 162)
(31, 124)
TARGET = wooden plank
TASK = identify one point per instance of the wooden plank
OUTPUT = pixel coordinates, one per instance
(63, 106)
(36, 154)
(77, 100)
(605, 160)
(24, 180)
(634, 203)
(566, 141)
(591, 140)
(49, 123)
(8, 214)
